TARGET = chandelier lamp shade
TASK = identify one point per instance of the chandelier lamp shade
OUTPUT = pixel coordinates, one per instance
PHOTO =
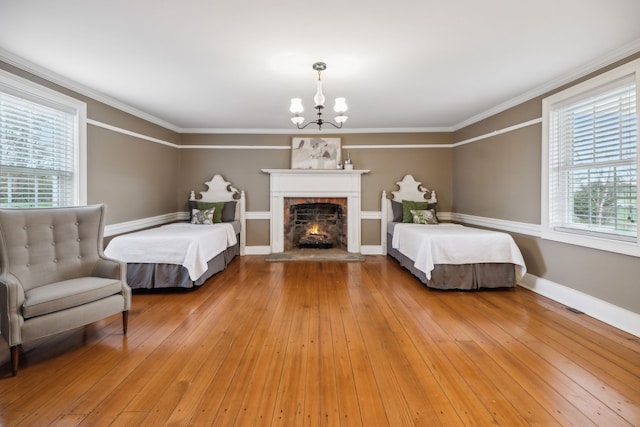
(340, 106)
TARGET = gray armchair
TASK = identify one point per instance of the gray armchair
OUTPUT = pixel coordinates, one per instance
(54, 276)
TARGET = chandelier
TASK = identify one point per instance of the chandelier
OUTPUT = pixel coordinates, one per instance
(340, 106)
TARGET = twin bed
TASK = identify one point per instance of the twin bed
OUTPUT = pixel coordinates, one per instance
(445, 255)
(185, 255)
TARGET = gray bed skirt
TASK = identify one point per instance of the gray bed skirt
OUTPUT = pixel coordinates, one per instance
(157, 276)
(460, 276)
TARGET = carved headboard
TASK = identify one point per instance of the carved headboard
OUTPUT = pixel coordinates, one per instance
(409, 189)
(219, 190)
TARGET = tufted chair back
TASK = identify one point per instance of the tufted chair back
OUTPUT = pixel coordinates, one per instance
(50, 245)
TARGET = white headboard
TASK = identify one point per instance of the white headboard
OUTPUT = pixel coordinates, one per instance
(219, 190)
(412, 190)
(409, 189)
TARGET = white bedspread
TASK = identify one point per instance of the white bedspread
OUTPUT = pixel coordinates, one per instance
(189, 245)
(427, 245)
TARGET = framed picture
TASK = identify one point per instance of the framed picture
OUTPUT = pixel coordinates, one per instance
(315, 153)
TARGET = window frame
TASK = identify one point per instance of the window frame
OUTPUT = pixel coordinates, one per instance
(561, 98)
(33, 92)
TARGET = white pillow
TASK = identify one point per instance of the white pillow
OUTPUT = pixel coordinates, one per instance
(427, 216)
(202, 217)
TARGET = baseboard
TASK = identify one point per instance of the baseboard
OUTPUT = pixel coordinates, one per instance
(606, 312)
(371, 250)
(257, 250)
(266, 250)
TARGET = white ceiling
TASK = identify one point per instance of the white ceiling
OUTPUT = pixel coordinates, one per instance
(234, 65)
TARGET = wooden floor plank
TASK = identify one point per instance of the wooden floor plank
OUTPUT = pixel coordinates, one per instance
(567, 394)
(370, 401)
(328, 344)
(345, 391)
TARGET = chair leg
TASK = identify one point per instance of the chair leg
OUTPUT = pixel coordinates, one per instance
(14, 360)
(125, 321)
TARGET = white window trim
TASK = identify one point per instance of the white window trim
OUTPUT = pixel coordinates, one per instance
(29, 89)
(627, 248)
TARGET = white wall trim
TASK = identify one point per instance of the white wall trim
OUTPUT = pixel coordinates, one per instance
(371, 250)
(395, 146)
(131, 133)
(499, 132)
(139, 224)
(370, 215)
(257, 250)
(499, 224)
(288, 147)
(259, 215)
(252, 147)
(611, 314)
(235, 147)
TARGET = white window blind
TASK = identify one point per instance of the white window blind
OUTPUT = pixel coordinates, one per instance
(39, 150)
(592, 155)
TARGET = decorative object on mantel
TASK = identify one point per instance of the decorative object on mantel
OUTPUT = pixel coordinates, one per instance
(315, 153)
(340, 106)
(348, 164)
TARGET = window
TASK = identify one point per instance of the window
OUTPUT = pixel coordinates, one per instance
(590, 162)
(42, 146)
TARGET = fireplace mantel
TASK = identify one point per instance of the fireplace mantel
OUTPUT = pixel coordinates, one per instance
(316, 171)
(315, 183)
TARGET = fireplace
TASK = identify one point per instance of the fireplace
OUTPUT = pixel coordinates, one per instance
(317, 186)
(319, 223)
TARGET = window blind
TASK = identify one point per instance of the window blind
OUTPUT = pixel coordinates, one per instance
(37, 153)
(593, 145)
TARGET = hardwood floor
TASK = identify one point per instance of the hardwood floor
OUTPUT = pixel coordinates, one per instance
(330, 343)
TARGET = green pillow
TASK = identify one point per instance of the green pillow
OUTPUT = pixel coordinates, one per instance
(217, 214)
(408, 206)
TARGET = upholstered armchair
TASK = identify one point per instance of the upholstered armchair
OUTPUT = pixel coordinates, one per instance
(54, 276)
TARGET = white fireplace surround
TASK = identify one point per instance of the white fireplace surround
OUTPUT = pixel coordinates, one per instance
(315, 183)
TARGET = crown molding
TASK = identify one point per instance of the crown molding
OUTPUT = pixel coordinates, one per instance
(613, 56)
(324, 131)
(67, 83)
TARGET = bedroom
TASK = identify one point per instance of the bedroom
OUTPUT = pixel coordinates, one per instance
(145, 170)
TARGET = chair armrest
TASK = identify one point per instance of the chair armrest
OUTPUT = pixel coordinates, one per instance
(114, 269)
(11, 300)
(110, 268)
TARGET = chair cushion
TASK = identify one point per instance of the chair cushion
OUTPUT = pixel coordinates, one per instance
(67, 293)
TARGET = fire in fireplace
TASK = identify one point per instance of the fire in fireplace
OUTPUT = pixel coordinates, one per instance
(315, 237)
(315, 225)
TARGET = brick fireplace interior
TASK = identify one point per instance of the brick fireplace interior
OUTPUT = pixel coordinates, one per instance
(319, 223)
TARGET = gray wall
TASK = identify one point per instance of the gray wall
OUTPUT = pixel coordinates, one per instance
(500, 177)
